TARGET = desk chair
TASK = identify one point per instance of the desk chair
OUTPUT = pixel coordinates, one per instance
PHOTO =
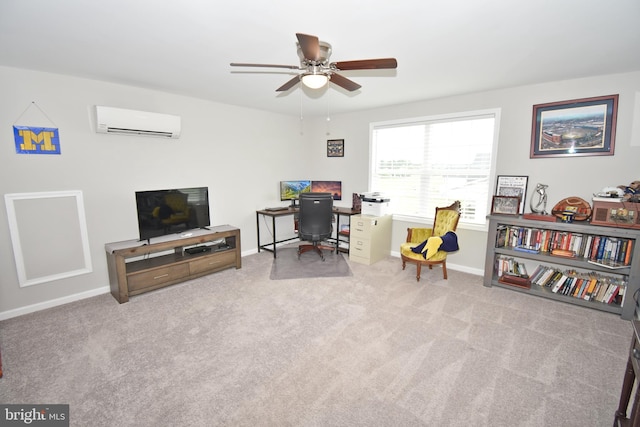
(315, 220)
(446, 220)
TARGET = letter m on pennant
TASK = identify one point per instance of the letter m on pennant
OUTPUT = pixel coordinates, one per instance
(32, 140)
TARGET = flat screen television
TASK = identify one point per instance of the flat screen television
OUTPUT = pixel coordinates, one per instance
(162, 212)
(333, 187)
(290, 190)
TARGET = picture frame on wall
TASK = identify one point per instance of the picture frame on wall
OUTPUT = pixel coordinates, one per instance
(505, 205)
(335, 148)
(514, 186)
(579, 127)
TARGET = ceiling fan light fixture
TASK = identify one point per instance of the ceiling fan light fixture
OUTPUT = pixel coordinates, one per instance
(314, 81)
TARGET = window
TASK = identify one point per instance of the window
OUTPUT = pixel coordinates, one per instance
(427, 162)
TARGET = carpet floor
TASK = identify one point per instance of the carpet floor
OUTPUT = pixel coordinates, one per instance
(376, 348)
(288, 266)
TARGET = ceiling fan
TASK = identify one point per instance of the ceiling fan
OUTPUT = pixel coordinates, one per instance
(318, 71)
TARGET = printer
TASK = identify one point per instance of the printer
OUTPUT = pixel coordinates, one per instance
(373, 197)
(375, 204)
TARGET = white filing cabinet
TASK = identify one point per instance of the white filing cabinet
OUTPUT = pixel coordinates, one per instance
(370, 238)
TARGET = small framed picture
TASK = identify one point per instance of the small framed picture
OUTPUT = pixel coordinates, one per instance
(505, 205)
(514, 186)
(335, 148)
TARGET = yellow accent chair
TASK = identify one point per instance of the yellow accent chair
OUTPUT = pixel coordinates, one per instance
(446, 220)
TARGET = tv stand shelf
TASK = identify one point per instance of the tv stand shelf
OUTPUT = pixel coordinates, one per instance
(136, 267)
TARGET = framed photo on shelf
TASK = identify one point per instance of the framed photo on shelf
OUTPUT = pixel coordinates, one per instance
(514, 186)
(335, 148)
(505, 205)
(580, 127)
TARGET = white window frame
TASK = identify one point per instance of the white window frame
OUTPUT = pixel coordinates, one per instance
(428, 217)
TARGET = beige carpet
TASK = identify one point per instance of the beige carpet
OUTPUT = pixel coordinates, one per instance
(309, 265)
(372, 349)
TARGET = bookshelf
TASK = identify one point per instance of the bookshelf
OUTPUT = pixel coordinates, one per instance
(513, 239)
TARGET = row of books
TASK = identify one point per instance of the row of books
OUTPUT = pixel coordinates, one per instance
(587, 286)
(511, 266)
(606, 249)
(590, 286)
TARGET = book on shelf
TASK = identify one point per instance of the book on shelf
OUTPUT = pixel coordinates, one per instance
(526, 249)
(558, 284)
(547, 277)
(593, 286)
(613, 265)
(509, 265)
(563, 253)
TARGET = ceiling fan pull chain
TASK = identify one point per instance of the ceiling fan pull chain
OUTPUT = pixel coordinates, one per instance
(301, 118)
(328, 116)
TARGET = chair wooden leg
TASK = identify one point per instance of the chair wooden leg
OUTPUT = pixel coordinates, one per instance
(404, 264)
(444, 269)
(418, 268)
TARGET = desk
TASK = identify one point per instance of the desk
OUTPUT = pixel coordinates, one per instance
(631, 373)
(271, 246)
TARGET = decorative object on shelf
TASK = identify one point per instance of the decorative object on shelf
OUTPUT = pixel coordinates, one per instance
(515, 186)
(615, 213)
(579, 209)
(539, 210)
(611, 192)
(569, 213)
(505, 205)
(541, 204)
(631, 192)
(356, 202)
(579, 127)
(335, 148)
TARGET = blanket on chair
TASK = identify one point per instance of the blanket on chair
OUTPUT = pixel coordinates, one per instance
(447, 243)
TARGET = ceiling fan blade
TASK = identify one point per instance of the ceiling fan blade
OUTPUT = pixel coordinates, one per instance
(344, 82)
(242, 64)
(367, 64)
(310, 46)
(288, 85)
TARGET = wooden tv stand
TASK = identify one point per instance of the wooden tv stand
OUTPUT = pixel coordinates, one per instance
(136, 267)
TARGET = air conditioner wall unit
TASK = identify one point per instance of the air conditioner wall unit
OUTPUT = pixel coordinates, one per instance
(133, 122)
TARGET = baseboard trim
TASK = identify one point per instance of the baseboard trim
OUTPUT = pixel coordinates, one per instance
(105, 290)
(450, 266)
(52, 303)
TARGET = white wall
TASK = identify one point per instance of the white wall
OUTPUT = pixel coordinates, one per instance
(567, 176)
(241, 155)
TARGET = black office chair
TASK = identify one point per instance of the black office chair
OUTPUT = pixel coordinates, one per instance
(315, 220)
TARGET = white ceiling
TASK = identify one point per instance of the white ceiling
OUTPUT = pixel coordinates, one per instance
(443, 48)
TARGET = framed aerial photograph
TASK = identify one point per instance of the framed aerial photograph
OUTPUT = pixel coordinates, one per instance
(514, 186)
(335, 148)
(505, 205)
(580, 127)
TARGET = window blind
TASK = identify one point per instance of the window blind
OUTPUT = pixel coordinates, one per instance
(429, 162)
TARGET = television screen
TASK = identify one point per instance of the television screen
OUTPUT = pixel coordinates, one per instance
(333, 187)
(290, 190)
(162, 212)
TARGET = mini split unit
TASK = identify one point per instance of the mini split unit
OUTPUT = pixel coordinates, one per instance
(132, 122)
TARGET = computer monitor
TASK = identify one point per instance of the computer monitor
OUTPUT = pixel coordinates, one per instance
(290, 190)
(333, 187)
